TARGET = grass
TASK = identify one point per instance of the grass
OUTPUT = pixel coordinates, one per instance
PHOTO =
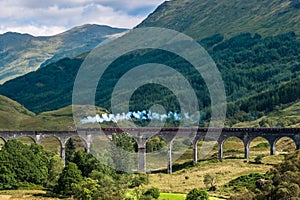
(227, 17)
(288, 116)
(184, 180)
(16, 117)
(12, 113)
(174, 196)
(186, 176)
(171, 196)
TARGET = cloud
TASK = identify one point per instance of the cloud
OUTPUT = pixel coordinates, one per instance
(51, 17)
(34, 30)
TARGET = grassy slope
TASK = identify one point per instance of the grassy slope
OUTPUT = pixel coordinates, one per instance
(186, 179)
(201, 18)
(16, 117)
(288, 116)
(12, 113)
(61, 119)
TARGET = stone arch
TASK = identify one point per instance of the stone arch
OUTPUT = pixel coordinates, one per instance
(27, 141)
(83, 140)
(3, 139)
(233, 146)
(50, 146)
(259, 145)
(292, 145)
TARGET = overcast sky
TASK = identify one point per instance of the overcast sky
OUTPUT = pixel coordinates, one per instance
(49, 17)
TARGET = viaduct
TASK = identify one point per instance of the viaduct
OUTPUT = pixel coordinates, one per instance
(141, 135)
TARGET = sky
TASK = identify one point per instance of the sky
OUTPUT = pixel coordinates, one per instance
(50, 17)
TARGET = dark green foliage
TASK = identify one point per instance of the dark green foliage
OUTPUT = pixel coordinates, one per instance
(87, 163)
(247, 181)
(155, 144)
(70, 150)
(282, 182)
(258, 159)
(138, 180)
(197, 194)
(87, 189)
(285, 178)
(55, 167)
(21, 163)
(48, 88)
(7, 178)
(70, 175)
(152, 192)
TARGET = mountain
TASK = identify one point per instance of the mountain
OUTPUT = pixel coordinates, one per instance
(23, 53)
(259, 74)
(260, 69)
(202, 18)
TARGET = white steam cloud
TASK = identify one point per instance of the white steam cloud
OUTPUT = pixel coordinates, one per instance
(138, 115)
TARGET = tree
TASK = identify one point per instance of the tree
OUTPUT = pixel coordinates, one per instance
(123, 146)
(284, 182)
(110, 188)
(87, 189)
(55, 168)
(155, 144)
(70, 150)
(21, 163)
(7, 179)
(152, 192)
(70, 175)
(197, 194)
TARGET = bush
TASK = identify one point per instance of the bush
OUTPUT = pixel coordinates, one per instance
(197, 194)
(138, 180)
(152, 192)
(258, 159)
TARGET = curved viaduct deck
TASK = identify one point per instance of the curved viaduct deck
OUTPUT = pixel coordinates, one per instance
(141, 135)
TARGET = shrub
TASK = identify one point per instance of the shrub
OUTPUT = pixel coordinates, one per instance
(152, 192)
(258, 159)
(138, 180)
(197, 194)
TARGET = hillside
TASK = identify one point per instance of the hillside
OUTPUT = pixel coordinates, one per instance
(61, 119)
(261, 73)
(16, 117)
(258, 73)
(201, 18)
(287, 116)
(23, 53)
(12, 113)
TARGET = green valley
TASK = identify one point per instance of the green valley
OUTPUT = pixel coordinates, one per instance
(256, 48)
